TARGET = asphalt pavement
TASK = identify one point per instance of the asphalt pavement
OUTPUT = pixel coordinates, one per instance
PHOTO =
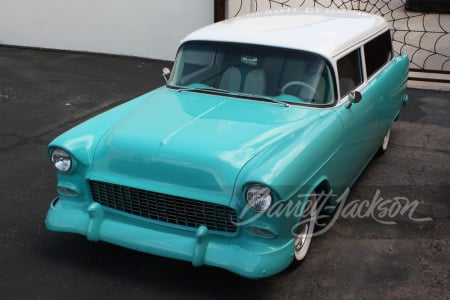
(396, 246)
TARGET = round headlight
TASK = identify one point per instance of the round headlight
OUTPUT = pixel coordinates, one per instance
(259, 197)
(61, 160)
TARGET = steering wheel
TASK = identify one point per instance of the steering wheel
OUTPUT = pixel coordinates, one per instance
(302, 84)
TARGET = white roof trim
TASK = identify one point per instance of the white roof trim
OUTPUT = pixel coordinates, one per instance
(324, 31)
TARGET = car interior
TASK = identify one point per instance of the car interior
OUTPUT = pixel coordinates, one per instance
(282, 74)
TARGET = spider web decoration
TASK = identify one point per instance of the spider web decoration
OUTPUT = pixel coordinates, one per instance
(425, 38)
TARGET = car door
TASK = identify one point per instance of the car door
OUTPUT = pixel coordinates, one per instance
(358, 119)
(387, 76)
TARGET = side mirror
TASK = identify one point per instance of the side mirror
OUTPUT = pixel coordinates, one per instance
(166, 74)
(353, 97)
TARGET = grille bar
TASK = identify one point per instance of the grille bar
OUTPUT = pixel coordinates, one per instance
(164, 208)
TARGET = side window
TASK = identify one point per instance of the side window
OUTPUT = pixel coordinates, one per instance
(378, 52)
(349, 71)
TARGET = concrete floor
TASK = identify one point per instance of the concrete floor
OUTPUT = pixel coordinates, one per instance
(44, 93)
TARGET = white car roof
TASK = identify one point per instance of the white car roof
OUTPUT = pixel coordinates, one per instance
(328, 32)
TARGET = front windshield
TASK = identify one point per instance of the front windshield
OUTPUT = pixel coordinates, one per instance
(281, 74)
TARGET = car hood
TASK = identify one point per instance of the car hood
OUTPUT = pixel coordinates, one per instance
(194, 140)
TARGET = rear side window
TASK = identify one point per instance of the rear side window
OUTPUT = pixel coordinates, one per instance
(349, 71)
(377, 53)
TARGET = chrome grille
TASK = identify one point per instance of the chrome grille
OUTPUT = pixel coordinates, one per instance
(164, 208)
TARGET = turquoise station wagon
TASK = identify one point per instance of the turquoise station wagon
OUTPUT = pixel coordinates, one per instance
(263, 119)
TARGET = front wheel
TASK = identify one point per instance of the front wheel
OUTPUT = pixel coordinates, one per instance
(304, 230)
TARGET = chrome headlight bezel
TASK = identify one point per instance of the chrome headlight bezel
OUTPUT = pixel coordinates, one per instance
(61, 160)
(259, 197)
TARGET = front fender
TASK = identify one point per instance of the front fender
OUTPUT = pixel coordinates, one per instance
(82, 140)
(294, 165)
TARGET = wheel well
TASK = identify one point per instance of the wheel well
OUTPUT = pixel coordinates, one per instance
(324, 186)
(323, 190)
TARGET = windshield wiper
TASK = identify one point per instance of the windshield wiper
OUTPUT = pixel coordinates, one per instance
(217, 90)
(260, 97)
(199, 89)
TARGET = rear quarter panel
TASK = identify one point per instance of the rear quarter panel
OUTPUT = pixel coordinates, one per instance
(390, 89)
